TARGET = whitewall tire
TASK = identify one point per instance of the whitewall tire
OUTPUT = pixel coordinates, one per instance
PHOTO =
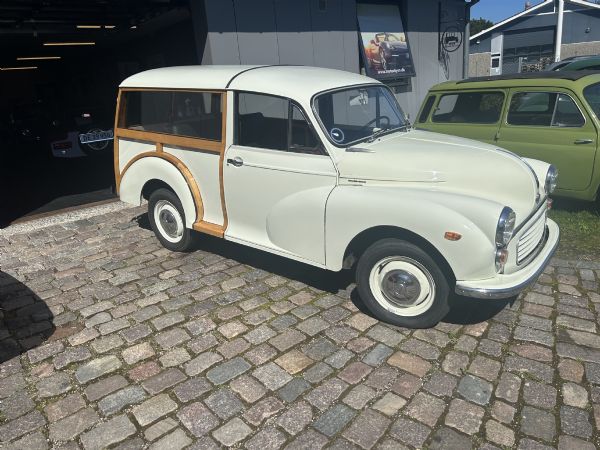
(168, 221)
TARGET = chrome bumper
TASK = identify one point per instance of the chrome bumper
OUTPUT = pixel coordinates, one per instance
(506, 286)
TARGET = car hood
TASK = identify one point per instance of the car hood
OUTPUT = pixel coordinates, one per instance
(432, 160)
(396, 45)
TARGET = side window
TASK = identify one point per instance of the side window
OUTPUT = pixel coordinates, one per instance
(427, 108)
(262, 121)
(544, 109)
(531, 108)
(274, 123)
(198, 115)
(303, 138)
(186, 114)
(147, 111)
(469, 107)
(567, 113)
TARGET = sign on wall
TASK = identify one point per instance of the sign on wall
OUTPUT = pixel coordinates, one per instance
(383, 42)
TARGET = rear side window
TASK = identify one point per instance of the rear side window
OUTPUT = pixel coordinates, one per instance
(469, 107)
(427, 108)
(180, 113)
(544, 109)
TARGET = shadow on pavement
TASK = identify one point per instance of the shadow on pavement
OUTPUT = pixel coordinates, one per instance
(25, 319)
(463, 310)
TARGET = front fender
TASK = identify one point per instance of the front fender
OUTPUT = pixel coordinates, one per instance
(150, 168)
(426, 212)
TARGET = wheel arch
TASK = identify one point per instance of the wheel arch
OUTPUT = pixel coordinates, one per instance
(369, 236)
(142, 176)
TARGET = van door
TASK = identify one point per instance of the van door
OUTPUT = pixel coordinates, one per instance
(277, 178)
(550, 125)
(470, 114)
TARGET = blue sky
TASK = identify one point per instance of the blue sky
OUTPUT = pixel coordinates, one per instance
(497, 10)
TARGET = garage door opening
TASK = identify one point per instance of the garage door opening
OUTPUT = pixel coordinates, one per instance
(60, 64)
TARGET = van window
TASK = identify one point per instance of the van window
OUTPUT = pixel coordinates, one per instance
(469, 107)
(274, 123)
(427, 108)
(544, 109)
(180, 113)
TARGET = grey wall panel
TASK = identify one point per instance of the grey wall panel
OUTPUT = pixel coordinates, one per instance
(221, 41)
(294, 32)
(576, 24)
(484, 46)
(529, 37)
(350, 36)
(256, 31)
(328, 42)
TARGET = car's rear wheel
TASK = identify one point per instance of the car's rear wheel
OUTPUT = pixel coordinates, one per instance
(402, 285)
(167, 219)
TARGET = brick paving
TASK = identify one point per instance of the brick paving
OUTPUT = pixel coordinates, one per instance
(108, 340)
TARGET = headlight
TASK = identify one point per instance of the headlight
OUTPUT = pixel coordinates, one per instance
(551, 179)
(506, 226)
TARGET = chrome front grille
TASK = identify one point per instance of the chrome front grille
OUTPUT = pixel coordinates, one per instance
(530, 240)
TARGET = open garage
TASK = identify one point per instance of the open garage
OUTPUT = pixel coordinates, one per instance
(60, 64)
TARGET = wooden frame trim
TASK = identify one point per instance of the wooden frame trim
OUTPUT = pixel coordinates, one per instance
(193, 144)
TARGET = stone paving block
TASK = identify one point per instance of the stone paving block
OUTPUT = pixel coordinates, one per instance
(173, 441)
(198, 419)
(107, 433)
(425, 408)
(266, 439)
(97, 368)
(113, 403)
(224, 403)
(21, 426)
(334, 420)
(367, 428)
(464, 416)
(262, 410)
(154, 408)
(538, 423)
(104, 387)
(163, 380)
(410, 363)
(448, 439)
(64, 407)
(68, 428)
(271, 376)
(228, 370)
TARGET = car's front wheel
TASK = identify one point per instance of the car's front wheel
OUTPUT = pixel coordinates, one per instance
(402, 285)
(168, 221)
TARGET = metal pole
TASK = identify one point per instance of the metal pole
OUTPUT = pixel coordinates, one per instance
(466, 49)
(559, 29)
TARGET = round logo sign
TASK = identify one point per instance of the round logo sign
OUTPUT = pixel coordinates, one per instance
(452, 39)
(337, 135)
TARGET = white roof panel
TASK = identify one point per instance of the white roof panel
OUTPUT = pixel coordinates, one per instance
(298, 82)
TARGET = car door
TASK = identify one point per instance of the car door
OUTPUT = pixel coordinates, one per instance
(550, 125)
(277, 178)
(469, 114)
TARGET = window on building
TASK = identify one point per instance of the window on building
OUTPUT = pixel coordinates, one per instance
(544, 109)
(187, 114)
(274, 123)
(469, 107)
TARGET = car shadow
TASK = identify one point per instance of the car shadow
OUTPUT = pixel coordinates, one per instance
(25, 320)
(463, 310)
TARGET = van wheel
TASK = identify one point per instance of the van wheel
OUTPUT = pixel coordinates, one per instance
(168, 221)
(402, 285)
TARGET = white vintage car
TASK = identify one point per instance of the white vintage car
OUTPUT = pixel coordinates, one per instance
(321, 166)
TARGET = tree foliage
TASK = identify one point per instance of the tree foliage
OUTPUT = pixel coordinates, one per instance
(478, 25)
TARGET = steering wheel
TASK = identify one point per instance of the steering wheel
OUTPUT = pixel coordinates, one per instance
(366, 125)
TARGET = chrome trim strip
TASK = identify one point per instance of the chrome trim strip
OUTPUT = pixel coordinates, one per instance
(512, 291)
(543, 203)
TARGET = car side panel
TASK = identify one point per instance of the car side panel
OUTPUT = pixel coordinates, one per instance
(150, 168)
(427, 213)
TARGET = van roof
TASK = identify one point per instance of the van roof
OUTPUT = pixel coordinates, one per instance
(289, 81)
(560, 79)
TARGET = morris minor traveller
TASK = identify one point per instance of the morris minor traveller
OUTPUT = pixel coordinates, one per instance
(321, 166)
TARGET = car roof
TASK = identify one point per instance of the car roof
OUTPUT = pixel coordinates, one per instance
(300, 82)
(580, 64)
(559, 79)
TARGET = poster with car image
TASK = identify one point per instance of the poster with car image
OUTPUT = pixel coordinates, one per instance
(383, 41)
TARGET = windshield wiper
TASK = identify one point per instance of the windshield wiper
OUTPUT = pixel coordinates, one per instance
(383, 131)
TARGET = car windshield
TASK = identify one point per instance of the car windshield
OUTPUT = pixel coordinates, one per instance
(392, 38)
(355, 114)
(592, 96)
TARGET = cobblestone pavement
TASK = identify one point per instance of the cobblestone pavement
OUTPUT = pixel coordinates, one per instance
(133, 346)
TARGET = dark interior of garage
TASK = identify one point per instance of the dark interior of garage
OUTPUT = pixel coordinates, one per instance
(60, 64)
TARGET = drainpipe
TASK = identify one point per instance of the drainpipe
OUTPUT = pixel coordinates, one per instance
(559, 29)
(467, 38)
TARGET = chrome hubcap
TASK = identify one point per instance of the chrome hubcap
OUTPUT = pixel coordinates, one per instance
(168, 221)
(401, 288)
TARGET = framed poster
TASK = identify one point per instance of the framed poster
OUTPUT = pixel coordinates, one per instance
(383, 41)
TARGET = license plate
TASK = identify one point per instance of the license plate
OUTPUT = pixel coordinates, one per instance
(96, 136)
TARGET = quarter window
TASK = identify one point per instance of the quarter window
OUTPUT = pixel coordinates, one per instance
(544, 109)
(427, 108)
(469, 107)
(187, 114)
(274, 123)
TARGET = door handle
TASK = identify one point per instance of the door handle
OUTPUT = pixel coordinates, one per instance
(237, 161)
(584, 141)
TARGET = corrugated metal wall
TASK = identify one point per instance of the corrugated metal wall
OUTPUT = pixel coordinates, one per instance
(301, 32)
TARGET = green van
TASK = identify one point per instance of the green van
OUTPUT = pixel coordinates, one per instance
(551, 116)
